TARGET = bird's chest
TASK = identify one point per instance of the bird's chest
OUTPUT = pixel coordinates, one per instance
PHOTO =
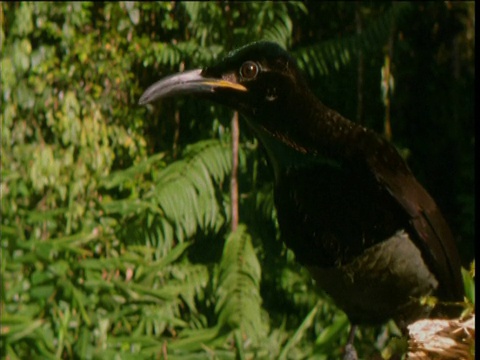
(386, 281)
(329, 215)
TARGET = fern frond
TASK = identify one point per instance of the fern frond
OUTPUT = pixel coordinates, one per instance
(122, 177)
(321, 59)
(186, 193)
(238, 291)
(279, 28)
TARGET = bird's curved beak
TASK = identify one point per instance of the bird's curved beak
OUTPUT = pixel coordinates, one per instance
(188, 82)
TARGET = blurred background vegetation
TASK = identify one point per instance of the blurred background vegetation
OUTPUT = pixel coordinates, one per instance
(116, 236)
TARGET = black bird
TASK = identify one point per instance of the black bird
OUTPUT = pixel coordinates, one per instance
(347, 203)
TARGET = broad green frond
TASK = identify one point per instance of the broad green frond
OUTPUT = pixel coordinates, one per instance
(326, 56)
(180, 198)
(239, 303)
(185, 190)
(279, 24)
(163, 54)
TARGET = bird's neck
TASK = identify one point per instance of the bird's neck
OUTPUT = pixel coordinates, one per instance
(321, 135)
(285, 156)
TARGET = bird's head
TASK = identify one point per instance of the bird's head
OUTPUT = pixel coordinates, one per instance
(262, 81)
(257, 80)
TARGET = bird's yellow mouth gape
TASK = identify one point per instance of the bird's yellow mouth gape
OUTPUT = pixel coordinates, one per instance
(225, 85)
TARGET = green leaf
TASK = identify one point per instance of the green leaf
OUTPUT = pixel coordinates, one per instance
(238, 292)
(42, 292)
(469, 283)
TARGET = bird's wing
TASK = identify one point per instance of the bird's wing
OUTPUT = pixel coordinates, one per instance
(433, 235)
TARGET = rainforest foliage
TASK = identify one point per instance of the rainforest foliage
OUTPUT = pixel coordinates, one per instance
(116, 219)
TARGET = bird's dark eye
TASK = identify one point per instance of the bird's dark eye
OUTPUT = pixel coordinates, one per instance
(249, 70)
